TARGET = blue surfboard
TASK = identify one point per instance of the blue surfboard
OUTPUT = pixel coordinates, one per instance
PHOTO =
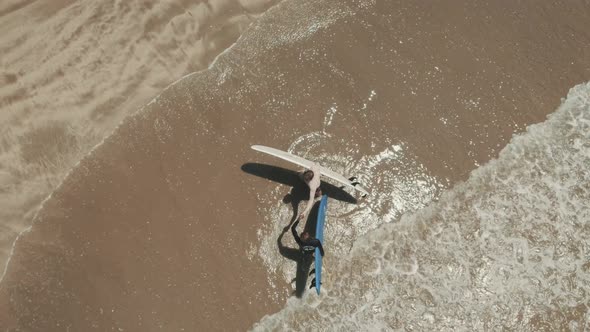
(319, 234)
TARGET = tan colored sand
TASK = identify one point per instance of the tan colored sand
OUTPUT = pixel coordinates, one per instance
(70, 71)
(152, 230)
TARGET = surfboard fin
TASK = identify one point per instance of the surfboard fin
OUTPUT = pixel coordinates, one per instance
(355, 183)
(311, 272)
(313, 284)
(352, 178)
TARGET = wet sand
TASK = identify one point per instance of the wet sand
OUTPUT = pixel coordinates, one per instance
(158, 226)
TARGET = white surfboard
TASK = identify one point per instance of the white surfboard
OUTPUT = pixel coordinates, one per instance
(307, 164)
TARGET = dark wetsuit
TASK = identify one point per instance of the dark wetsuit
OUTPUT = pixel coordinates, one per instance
(308, 246)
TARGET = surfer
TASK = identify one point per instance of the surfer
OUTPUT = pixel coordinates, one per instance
(312, 178)
(306, 242)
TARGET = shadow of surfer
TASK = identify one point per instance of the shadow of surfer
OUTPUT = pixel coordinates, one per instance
(303, 258)
(303, 264)
(298, 193)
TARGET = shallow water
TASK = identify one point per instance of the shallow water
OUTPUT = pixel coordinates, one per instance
(159, 227)
(506, 249)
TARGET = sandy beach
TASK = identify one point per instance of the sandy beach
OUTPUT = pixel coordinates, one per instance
(159, 227)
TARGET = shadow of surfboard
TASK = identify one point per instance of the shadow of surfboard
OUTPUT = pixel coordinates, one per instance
(291, 178)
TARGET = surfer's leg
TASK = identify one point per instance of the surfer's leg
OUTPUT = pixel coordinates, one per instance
(302, 261)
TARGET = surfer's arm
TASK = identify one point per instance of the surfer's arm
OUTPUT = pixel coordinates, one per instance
(309, 204)
(321, 248)
(313, 185)
(315, 168)
(294, 231)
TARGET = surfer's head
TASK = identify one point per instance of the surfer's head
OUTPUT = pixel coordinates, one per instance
(305, 235)
(307, 175)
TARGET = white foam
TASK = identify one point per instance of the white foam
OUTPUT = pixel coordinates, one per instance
(329, 117)
(91, 151)
(506, 249)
